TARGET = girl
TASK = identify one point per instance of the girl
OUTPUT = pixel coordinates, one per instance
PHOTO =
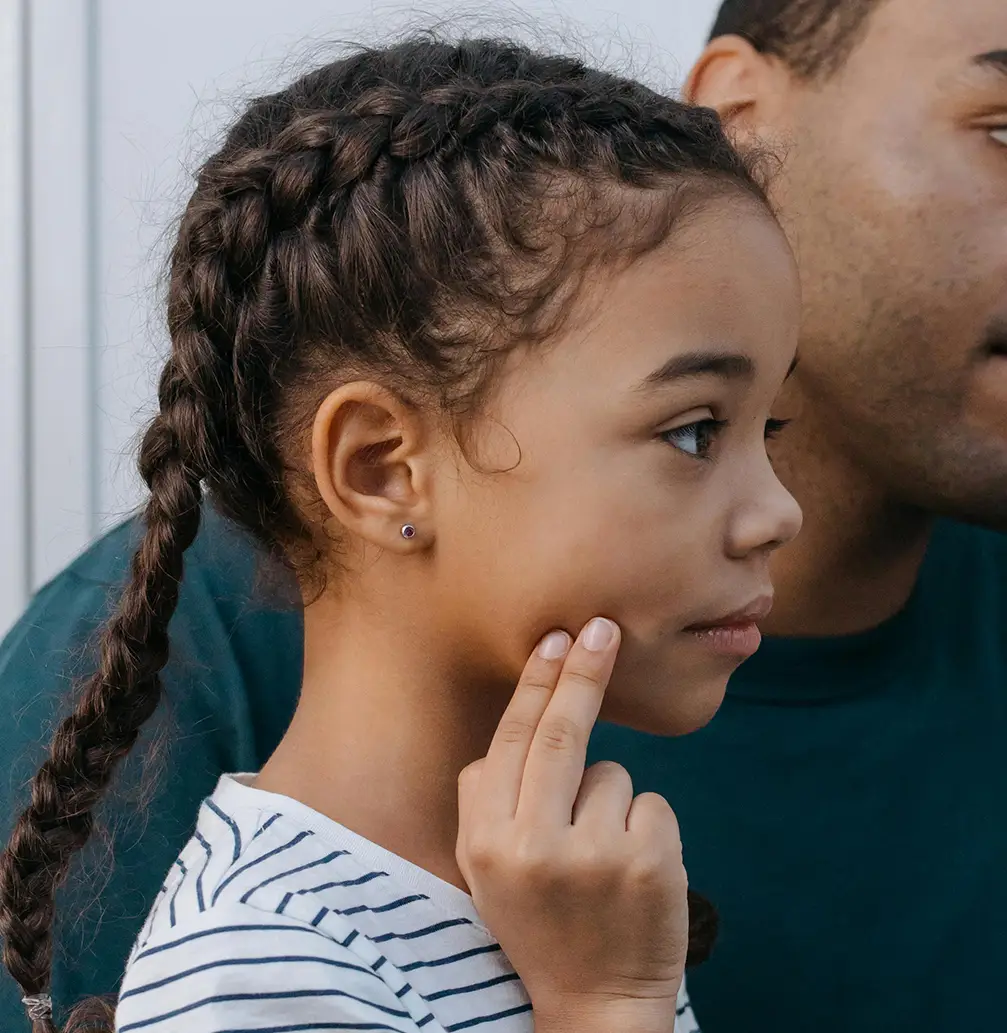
(483, 344)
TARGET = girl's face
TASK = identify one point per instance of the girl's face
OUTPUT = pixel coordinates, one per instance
(621, 471)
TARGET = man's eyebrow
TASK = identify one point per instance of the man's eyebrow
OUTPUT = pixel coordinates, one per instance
(995, 59)
(726, 365)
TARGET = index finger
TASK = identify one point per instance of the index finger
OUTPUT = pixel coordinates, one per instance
(503, 767)
(554, 768)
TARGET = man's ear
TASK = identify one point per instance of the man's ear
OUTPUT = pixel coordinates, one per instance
(372, 462)
(747, 89)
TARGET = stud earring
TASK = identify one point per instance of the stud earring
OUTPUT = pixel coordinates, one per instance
(408, 531)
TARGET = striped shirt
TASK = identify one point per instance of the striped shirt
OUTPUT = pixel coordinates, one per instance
(275, 919)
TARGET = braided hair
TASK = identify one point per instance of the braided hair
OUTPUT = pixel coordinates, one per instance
(406, 214)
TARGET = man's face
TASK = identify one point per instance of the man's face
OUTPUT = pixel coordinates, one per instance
(895, 198)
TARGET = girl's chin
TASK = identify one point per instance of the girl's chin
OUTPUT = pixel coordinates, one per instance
(666, 706)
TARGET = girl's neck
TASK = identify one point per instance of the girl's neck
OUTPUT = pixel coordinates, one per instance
(384, 725)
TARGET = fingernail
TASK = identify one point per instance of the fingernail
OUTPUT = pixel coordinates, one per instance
(554, 645)
(598, 634)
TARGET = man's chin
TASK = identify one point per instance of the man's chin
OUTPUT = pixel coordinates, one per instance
(986, 403)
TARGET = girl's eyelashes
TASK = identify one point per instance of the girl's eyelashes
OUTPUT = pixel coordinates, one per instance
(696, 438)
(773, 428)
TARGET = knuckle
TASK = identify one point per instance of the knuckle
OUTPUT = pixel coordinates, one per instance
(606, 768)
(470, 772)
(657, 853)
(593, 865)
(514, 730)
(482, 854)
(655, 800)
(653, 869)
(650, 854)
(581, 677)
(559, 734)
(536, 691)
(657, 808)
(609, 772)
(535, 683)
(532, 861)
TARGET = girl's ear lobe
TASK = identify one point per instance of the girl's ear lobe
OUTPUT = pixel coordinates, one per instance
(371, 462)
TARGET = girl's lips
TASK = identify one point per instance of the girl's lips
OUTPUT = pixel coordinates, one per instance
(734, 640)
(735, 634)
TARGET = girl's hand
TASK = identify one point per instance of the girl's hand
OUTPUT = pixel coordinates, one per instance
(582, 884)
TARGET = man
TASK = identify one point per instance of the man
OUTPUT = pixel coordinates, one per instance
(844, 808)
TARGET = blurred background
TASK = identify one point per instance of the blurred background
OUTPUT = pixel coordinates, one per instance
(106, 107)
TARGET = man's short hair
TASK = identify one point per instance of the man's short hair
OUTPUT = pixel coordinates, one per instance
(813, 37)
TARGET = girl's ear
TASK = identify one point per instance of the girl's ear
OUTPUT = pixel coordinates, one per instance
(372, 462)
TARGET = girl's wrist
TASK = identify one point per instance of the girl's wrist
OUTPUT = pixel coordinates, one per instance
(608, 1013)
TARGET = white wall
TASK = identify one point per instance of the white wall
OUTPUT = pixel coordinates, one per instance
(104, 105)
(13, 340)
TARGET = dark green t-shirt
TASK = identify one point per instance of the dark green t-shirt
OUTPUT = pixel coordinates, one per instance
(844, 810)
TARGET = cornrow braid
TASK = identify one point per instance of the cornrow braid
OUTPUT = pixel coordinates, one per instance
(406, 214)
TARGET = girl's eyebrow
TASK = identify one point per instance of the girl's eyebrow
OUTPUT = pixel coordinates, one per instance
(726, 365)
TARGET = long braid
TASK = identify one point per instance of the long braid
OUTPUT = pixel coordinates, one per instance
(383, 216)
(113, 704)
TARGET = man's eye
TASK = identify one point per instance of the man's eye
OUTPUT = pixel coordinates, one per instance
(1000, 135)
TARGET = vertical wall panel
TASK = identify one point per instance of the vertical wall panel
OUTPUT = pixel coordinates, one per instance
(60, 308)
(14, 500)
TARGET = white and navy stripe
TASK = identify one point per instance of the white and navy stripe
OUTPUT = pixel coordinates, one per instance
(275, 919)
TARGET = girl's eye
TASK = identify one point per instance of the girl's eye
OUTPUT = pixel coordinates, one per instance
(695, 439)
(1000, 135)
